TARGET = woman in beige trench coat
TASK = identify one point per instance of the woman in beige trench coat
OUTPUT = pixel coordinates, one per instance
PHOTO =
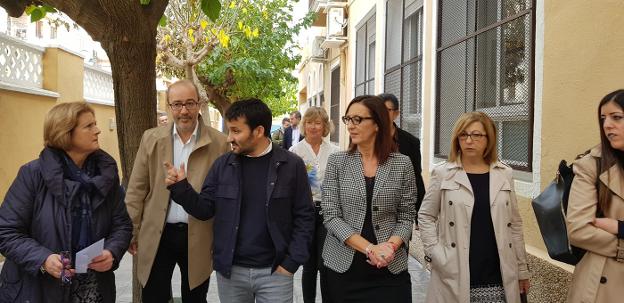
(599, 276)
(469, 221)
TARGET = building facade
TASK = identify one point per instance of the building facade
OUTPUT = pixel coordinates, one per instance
(538, 68)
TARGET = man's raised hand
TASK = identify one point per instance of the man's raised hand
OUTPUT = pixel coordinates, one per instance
(174, 175)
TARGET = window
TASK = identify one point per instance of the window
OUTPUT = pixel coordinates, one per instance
(39, 29)
(403, 72)
(365, 58)
(485, 63)
(334, 108)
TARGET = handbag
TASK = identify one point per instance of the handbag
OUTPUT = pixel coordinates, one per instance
(550, 208)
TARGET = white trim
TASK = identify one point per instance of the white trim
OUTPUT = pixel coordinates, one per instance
(61, 47)
(98, 69)
(100, 101)
(433, 60)
(538, 90)
(28, 90)
(21, 42)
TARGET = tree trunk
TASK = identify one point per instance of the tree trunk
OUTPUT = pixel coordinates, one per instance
(132, 63)
(134, 70)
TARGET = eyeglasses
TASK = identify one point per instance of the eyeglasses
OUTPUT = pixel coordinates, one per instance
(190, 105)
(473, 136)
(355, 120)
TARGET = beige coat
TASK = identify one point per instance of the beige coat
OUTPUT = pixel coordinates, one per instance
(147, 198)
(444, 221)
(598, 277)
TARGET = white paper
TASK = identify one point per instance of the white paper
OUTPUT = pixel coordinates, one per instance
(84, 257)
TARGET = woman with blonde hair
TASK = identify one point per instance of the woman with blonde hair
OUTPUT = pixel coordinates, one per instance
(59, 204)
(470, 224)
(314, 149)
(596, 210)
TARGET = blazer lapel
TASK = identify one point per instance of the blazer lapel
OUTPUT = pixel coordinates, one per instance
(613, 180)
(203, 138)
(357, 174)
(165, 146)
(381, 177)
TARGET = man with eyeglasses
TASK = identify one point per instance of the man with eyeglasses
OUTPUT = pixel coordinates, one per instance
(408, 145)
(164, 234)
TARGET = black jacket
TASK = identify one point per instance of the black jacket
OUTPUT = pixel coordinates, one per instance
(410, 146)
(287, 143)
(35, 222)
(289, 208)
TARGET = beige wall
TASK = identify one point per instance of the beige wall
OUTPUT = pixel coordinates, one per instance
(583, 61)
(63, 73)
(21, 138)
(22, 114)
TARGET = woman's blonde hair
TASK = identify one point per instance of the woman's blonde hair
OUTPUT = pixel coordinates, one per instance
(490, 154)
(317, 113)
(60, 121)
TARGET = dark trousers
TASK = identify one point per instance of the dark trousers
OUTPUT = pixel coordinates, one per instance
(172, 250)
(315, 263)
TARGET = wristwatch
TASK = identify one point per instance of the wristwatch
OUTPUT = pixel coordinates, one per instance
(42, 269)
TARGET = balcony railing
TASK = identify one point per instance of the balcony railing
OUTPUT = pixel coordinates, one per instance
(20, 63)
(98, 85)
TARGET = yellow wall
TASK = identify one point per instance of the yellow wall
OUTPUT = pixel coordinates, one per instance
(21, 138)
(108, 137)
(63, 73)
(22, 114)
(583, 61)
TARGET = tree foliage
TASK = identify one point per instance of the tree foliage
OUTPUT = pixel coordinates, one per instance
(249, 51)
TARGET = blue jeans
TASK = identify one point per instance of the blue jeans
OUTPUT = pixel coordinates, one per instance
(249, 285)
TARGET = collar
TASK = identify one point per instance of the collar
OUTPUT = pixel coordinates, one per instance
(193, 136)
(266, 151)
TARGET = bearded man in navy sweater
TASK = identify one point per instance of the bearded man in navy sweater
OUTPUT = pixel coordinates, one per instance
(262, 206)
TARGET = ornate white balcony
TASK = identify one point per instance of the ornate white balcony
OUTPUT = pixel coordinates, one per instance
(98, 85)
(20, 63)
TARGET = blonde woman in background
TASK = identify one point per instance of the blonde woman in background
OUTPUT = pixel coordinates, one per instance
(315, 150)
(469, 221)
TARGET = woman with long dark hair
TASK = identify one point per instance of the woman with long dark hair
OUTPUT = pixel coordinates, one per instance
(369, 197)
(596, 210)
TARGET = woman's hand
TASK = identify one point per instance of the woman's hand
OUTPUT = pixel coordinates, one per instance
(524, 286)
(103, 262)
(607, 224)
(53, 266)
(380, 255)
(174, 175)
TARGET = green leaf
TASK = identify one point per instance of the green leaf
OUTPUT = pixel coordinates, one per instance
(145, 2)
(29, 9)
(212, 8)
(163, 21)
(37, 14)
(48, 8)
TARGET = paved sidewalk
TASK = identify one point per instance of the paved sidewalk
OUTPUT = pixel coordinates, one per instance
(420, 279)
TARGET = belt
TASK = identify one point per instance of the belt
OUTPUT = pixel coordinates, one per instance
(179, 225)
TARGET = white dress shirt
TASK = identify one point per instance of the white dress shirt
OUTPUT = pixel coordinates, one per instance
(181, 153)
(295, 135)
(315, 163)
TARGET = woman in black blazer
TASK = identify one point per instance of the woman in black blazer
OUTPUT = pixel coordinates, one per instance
(368, 204)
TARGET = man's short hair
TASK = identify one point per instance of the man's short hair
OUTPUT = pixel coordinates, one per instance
(60, 121)
(256, 112)
(392, 98)
(182, 82)
(286, 120)
(297, 114)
